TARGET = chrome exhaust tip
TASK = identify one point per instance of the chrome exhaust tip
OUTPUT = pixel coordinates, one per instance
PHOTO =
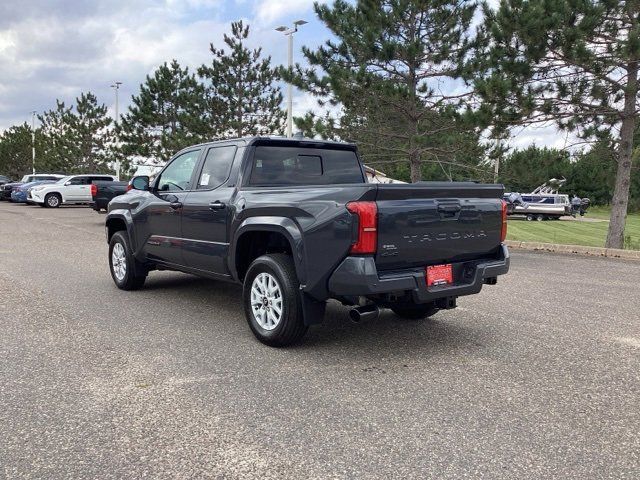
(364, 313)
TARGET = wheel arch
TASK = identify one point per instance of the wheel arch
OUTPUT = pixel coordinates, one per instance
(257, 236)
(120, 221)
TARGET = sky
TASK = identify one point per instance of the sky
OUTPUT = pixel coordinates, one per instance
(55, 49)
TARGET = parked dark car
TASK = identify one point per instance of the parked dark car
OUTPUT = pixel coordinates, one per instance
(297, 224)
(103, 192)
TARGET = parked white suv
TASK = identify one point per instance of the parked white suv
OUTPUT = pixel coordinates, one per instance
(68, 190)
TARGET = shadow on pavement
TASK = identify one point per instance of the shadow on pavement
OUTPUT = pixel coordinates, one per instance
(388, 335)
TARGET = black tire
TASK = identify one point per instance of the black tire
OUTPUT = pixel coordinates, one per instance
(529, 217)
(131, 280)
(540, 218)
(414, 311)
(52, 200)
(290, 328)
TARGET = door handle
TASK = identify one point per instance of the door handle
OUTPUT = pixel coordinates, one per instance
(450, 208)
(217, 205)
(175, 205)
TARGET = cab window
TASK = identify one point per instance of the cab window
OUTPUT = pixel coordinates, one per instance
(216, 168)
(177, 176)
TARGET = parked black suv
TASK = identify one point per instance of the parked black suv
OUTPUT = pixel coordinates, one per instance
(297, 223)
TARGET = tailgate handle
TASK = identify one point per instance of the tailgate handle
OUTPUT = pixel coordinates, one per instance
(450, 208)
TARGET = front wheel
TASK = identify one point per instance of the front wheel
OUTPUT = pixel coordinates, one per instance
(52, 200)
(414, 311)
(122, 264)
(272, 302)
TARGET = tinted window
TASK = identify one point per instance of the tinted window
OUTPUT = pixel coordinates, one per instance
(216, 167)
(177, 176)
(79, 181)
(276, 165)
(101, 179)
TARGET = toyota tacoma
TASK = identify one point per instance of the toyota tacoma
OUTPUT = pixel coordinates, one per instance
(296, 223)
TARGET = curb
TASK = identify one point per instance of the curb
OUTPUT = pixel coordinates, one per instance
(575, 249)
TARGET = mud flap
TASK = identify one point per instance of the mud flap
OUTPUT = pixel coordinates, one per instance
(312, 309)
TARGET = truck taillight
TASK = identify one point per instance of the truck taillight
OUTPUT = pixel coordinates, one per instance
(367, 213)
(503, 233)
(94, 190)
(129, 187)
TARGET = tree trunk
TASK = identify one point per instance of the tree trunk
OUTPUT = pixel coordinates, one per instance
(620, 202)
(416, 170)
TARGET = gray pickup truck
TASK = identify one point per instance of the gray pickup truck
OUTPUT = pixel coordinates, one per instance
(296, 223)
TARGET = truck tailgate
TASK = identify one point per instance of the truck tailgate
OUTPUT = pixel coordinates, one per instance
(430, 223)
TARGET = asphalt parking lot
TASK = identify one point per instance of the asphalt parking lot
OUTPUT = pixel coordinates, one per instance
(537, 377)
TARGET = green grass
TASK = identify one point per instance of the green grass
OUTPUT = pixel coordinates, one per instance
(592, 234)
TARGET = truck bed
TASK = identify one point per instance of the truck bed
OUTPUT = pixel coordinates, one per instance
(105, 192)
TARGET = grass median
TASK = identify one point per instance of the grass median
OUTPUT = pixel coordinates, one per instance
(590, 231)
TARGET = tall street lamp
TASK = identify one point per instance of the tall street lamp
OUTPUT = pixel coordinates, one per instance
(116, 87)
(289, 32)
(33, 142)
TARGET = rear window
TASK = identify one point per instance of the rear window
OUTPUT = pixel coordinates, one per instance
(278, 165)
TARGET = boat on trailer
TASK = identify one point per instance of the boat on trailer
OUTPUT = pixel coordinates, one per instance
(544, 203)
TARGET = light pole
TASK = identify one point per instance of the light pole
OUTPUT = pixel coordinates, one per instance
(289, 32)
(116, 87)
(33, 142)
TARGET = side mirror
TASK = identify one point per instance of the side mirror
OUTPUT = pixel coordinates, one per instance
(140, 183)
(68, 183)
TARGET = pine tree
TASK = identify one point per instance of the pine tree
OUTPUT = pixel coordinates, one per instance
(15, 151)
(575, 63)
(76, 138)
(91, 135)
(166, 116)
(390, 70)
(56, 136)
(243, 97)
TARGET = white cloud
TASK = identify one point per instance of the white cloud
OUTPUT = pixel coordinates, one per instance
(542, 136)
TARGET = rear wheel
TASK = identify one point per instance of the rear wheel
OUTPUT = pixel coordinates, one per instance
(53, 200)
(540, 218)
(122, 264)
(414, 311)
(529, 217)
(272, 301)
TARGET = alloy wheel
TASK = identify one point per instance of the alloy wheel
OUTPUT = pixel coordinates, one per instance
(119, 262)
(266, 301)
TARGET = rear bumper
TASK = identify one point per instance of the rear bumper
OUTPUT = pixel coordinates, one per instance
(358, 276)
(99, 204)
